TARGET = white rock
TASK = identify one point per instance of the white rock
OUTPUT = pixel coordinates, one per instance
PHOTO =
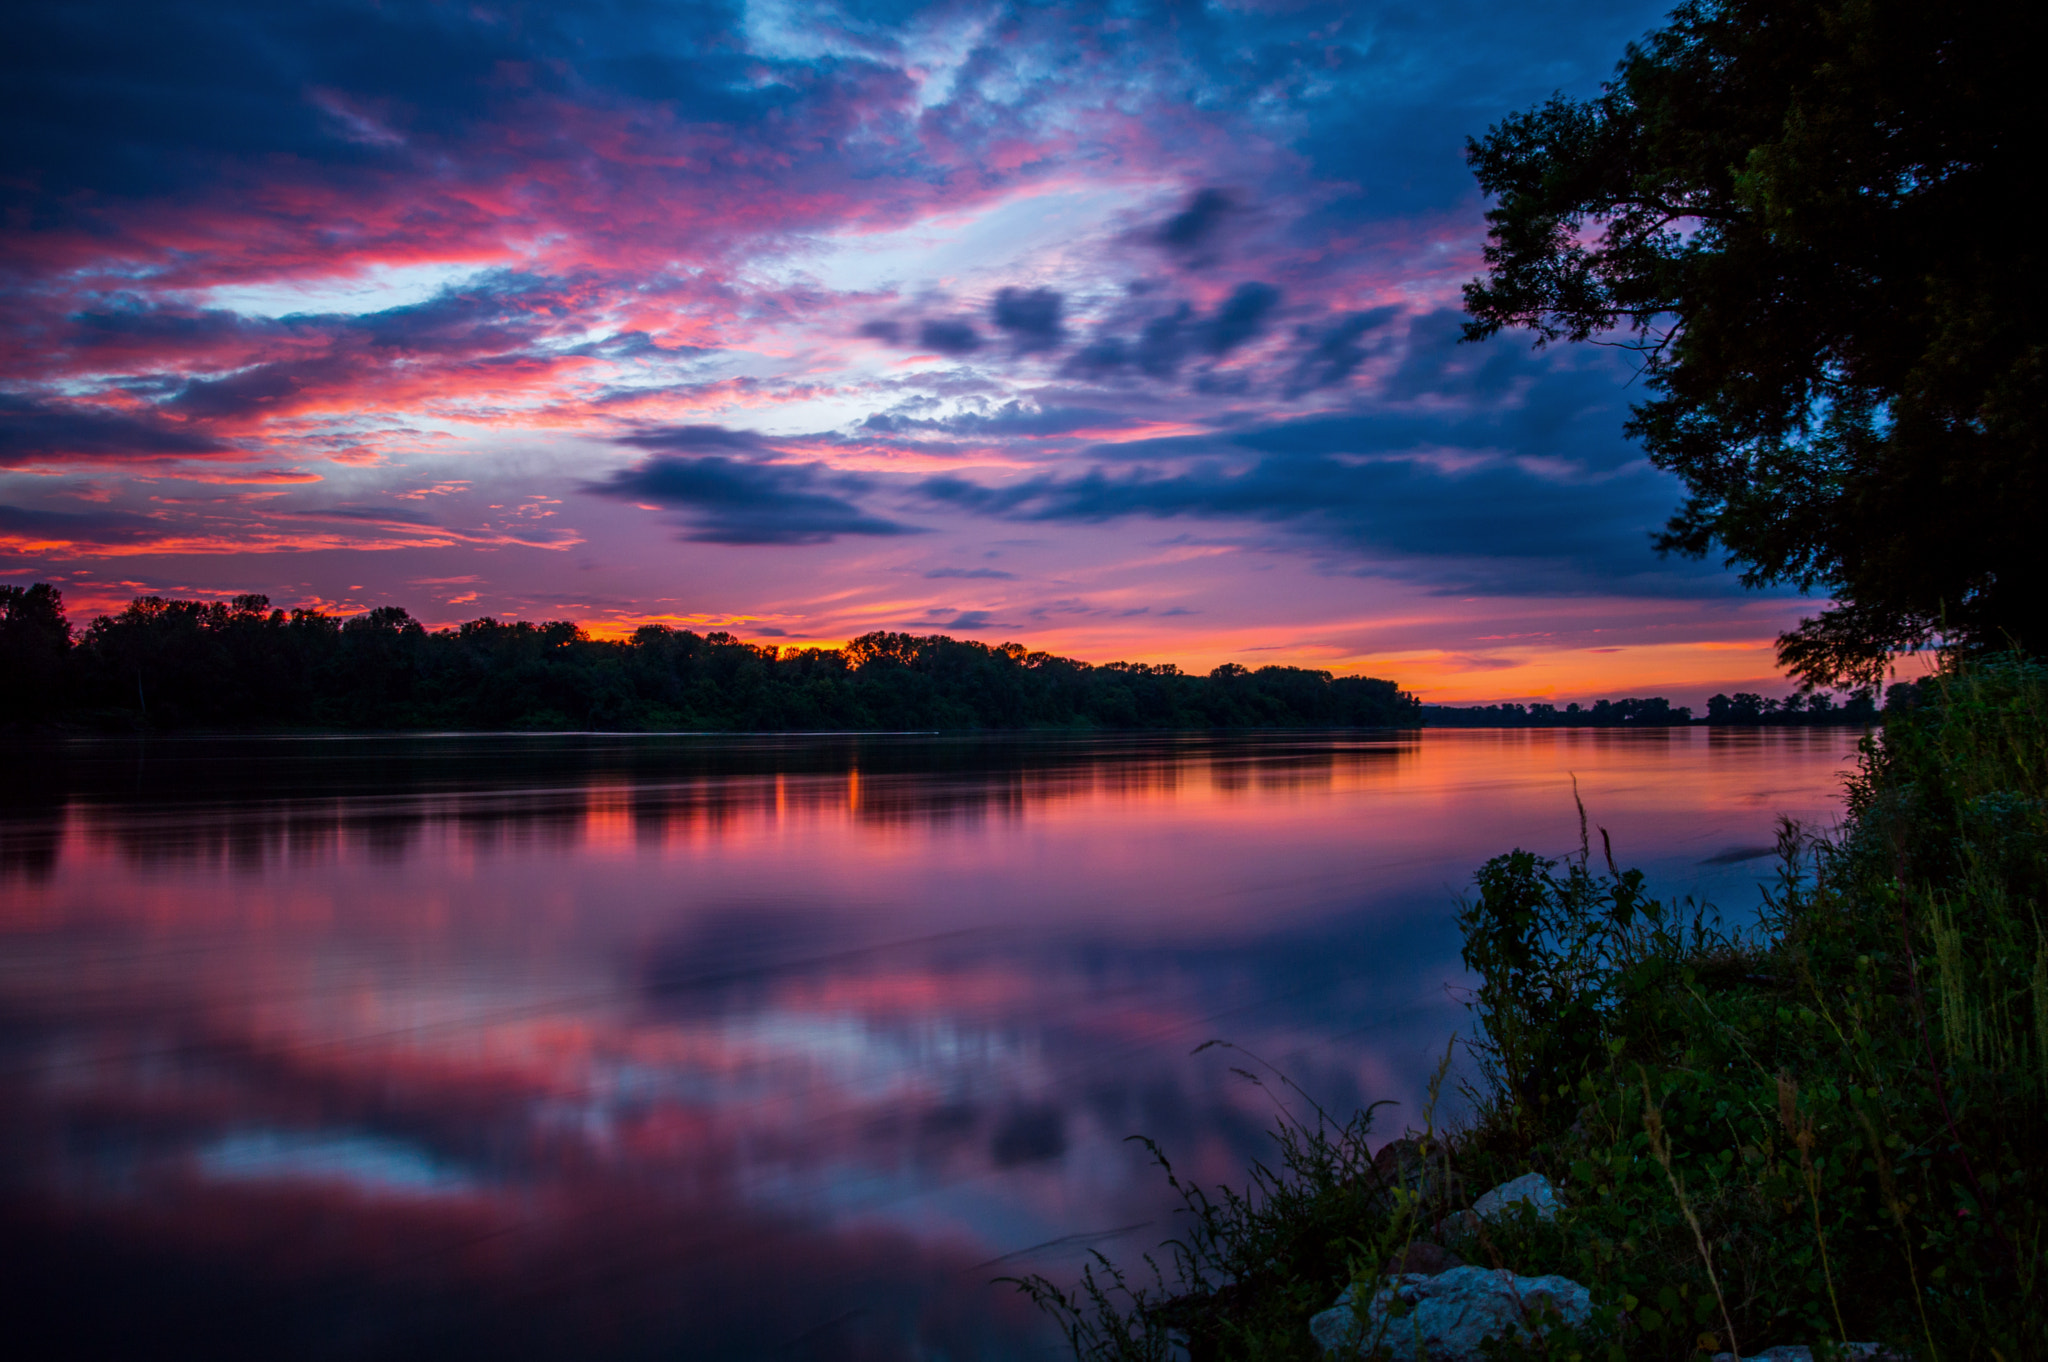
(1448, 1315)
(1531, 1188)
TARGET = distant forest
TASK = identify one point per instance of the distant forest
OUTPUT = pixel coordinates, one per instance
(1742, 709)
(173, 664)
(193, 664)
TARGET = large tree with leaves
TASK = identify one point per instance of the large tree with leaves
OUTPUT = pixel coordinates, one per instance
(1813, 222)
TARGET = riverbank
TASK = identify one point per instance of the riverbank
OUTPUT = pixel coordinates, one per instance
(195, 665)
(1826, 1128)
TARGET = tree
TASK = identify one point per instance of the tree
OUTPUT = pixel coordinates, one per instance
(183, 662)
(153, 649)
(35, 645)
(1811, 222)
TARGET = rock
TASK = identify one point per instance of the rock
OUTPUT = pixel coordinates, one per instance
(1418, 1167)
(1532, 1189)
(1792, 1352)
(1396, 1155)
(1457, 1225)
(1423, 1259)
(1450, 1314)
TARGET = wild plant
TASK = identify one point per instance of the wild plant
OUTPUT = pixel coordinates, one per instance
(1829, 1128)
(1251, 1264)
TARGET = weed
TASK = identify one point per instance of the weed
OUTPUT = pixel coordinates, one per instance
(1831, 1127)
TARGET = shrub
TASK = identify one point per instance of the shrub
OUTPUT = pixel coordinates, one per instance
(1827, 1128)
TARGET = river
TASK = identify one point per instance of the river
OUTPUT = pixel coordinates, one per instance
(631, 1047)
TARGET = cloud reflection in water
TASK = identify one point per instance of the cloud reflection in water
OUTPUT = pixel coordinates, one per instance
(624, 1047)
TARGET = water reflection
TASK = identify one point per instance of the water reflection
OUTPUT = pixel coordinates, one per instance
(633, 1047)
(271, 801)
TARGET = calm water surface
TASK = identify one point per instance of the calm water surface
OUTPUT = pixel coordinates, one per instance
(604, 1047)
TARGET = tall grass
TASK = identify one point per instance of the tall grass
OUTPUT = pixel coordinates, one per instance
(1829, 1127)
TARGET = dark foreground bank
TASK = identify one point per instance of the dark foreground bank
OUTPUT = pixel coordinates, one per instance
(1825, 1130)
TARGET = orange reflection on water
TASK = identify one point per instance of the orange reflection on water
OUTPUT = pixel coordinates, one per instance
(451, 1021)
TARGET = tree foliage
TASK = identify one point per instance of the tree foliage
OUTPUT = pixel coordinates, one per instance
(170, 663)
(1809, 221)
(35, 641)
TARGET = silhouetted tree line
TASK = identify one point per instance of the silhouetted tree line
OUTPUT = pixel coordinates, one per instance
(1794, 711)
(170, 663)
(1742, 709)
(1656, 712)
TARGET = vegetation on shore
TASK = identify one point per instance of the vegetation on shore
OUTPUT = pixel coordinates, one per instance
(170, 664)
(163, 664)
(1829, 1127)
(1742, 710)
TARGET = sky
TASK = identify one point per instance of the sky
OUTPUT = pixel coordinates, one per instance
(1124, 331)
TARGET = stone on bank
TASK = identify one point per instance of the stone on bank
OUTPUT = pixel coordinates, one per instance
(1444, 1318)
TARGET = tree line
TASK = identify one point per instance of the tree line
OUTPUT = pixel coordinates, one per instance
(166, 664)
(1743, 709)
(161, 664)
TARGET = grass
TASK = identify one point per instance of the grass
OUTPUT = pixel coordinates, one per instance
(1830, 1127)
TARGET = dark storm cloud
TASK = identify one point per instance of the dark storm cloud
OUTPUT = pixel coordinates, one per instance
(1471, 467)
(491, 310)
(1164, 343)
(498, 311)
(75, 532)
(964, 619)
(1335, 350)
(1099, 358)
(1011, 420)
(1434, 364)
(131, 321)
(1394, 105)
(1032, 318)
(949, 337)
(1491, 398)
(258, 367)
(131, 99)
(123, 101)
(1167, 340)
(262, 388)
(31, 431)
(1019, 419)
(695, 439)
(498, 315)
(1499, 525)
(1196, 226)
(735, 500)
(1241, 317)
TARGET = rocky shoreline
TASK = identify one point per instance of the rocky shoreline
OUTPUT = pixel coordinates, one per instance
(1432, 1306)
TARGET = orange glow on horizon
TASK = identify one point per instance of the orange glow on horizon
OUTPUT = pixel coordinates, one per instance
(1684, 672)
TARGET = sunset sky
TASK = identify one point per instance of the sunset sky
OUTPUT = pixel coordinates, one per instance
(1124, 331)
